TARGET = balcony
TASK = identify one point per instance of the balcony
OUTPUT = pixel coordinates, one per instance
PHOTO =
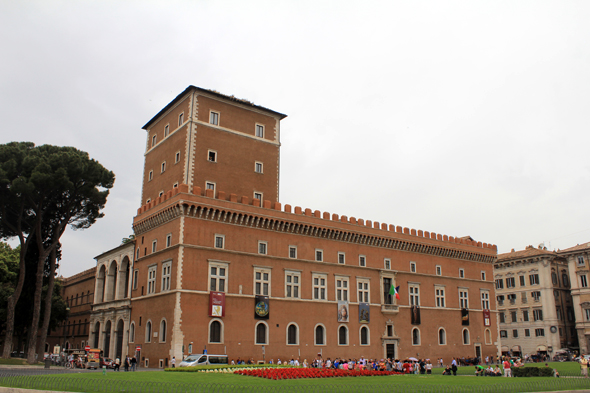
(512, 301)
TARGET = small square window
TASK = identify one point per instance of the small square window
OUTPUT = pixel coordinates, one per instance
(259, 131)
(262, 248)
(527, 333)
(210, 186)
(168, 240)
(175, 185)
(362, 260)
(163, 168)
(161, 193)
(214, 118)
(258, 195)
(177, 157)
(341, 258)
(461, 273)
(212, 156)
(387, 264)
(166, 131)
(319, 255)
(180, 119)
(258, 167)
(292, 252)
(219, 241)
(413, 267)
(438, 270)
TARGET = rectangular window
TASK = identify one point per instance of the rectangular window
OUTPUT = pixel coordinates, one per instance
(515, 333)
(536, 295)
(180, 119)
(214, 118)
(461, 273)
(527, 332)
(168, 240)
(439, 294)
(341, 258)
(539, 332)
(483, 275)
(319, 286)
(513, 316)
(262, 248)
(177, 157)
(150, 175)
(212, 156)
(387, 264)
(499, 283)
(262, 281)
(163, 167)
(363, 290)
(463, 298)
(319, 255)
(525, 315)
(342, 289)
(438, 270)
(259, 131)
(558, 311)
(210, 186)
(362, 261)
(166, 269)
(537, 315)
(151, 284)
(135, 276)
(580, 260)
(414, 294)
(522, 281)
(258, 167)
(583, 281)
(413, 267)
(292, 284)
(510, 283)
(154, 245)
(502, 317)
(534, 279)
(512, 298)
(500, 299)
(485, 300)
(219, 241)
(387, 297)
(523, 298)
(166, 131)
(154, 138)
(218, 276)
(503, 333)
(258, 195)
(587, 313)
(292, 252)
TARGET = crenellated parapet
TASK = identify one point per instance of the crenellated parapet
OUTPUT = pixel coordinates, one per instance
(321, 224)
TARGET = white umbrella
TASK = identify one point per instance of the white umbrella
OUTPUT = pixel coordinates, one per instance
(413, 359)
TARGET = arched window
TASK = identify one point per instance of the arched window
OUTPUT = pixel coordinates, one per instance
(465, 337)
(488, 336)
(565, 280)
(320, 335)
(163, 331)
(148, 332)
(342, 335)
(442, 337)
(554, 278)
(261, 333)
(215, 331)
(132, 332)
(364, 335)
(415, 336)
(292, 335)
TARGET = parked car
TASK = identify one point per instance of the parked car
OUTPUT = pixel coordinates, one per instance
(203, 360)
(16, 354)
(109, 363)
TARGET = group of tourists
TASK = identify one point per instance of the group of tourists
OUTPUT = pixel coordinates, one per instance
(129, 364)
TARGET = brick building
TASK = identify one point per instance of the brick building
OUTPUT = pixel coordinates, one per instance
(220, 264)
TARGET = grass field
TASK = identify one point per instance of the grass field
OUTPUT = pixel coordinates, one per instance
(158, 381)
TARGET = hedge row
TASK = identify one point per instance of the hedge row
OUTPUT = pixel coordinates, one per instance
(532, 372)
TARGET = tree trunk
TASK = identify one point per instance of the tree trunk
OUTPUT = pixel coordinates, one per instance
(12, 300)
(34, 329)
(48, 302)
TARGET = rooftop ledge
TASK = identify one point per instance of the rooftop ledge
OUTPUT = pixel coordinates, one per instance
(221, 195)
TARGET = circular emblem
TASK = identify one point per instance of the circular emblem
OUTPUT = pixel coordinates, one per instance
(261, 309)
(553, 329)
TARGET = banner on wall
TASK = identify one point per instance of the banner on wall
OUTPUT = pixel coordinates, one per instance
(261, 308)
(416, 315)
(342, 311)
(364, 313)
(486, 318)
(217, 304)
(464, 317)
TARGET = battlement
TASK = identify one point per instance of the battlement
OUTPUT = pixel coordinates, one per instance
(297, 210)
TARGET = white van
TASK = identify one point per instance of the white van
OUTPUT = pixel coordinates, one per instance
(203, 360)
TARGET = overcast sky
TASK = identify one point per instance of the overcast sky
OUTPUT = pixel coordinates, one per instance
(461, 118)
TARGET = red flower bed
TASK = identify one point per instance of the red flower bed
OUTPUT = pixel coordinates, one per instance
(295, 373)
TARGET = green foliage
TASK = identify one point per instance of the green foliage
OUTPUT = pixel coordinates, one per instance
(532, 372)
(9, 259)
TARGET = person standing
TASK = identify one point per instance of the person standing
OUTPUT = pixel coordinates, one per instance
(506, 365)
(173, 362)
(133, 363)
(454, 366)
(584, 365)
(126, 364)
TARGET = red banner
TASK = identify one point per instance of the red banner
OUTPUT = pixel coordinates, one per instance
(486, 318)
(217, 304)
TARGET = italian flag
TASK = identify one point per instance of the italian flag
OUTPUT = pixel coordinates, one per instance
(394, 291)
